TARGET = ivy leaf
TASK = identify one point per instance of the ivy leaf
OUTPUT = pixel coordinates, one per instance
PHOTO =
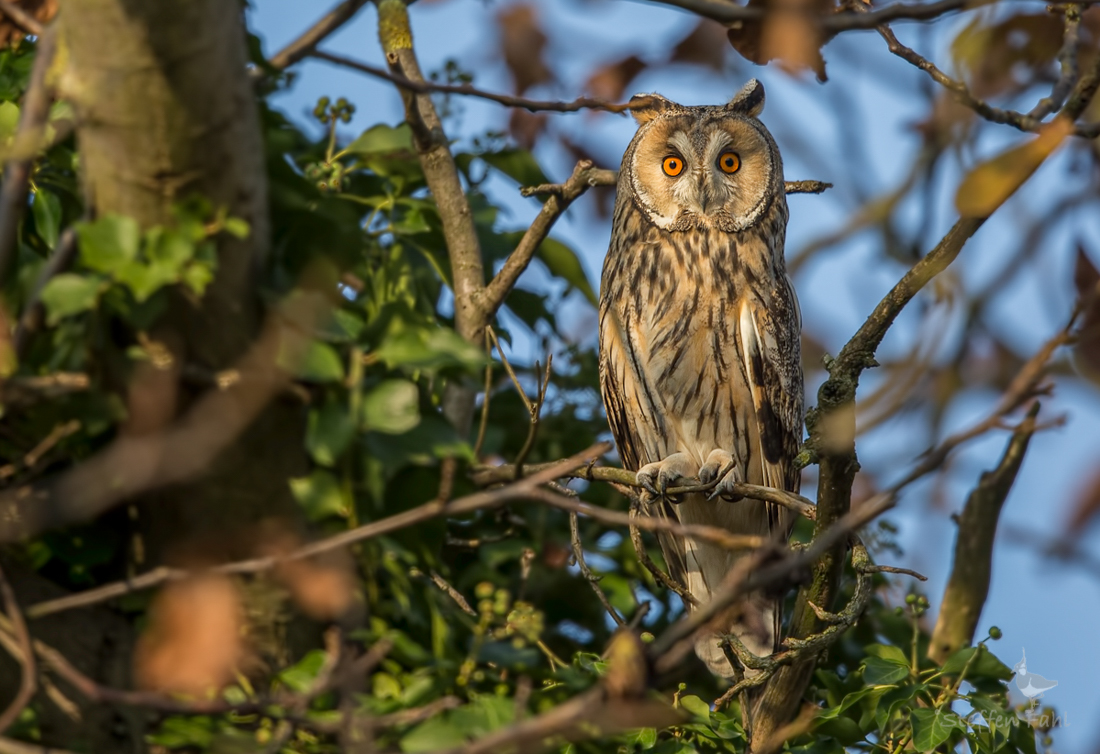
(430, 349)
(320, 363)
(328, 433)
(435, 733)
(107, 244)
(393, 407)
(644, 738)
(564, 263)
(68, 294)
(47, 216)
(320, 495)
(382, 139)
(880, 672)
(985, 665)
(695, 706)
(931, 727)
(517, 164)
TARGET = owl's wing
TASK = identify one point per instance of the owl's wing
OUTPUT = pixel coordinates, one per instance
(635, 422)
(769, 341)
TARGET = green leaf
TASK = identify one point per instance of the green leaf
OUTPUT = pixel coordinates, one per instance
(179, 732)
(564, 263)
(695, 706)
(109, 243)
(435, 733)
(320, 495)
(430, 349)
(517, 164)
(393, 407)
(843, 729)
(328, 433)
(9, 121)
(47, 216)
(197, 276)
(887, 652)
(931, 727)
(144, 280)
(985, 665)
(68, 294)
(301, 676)
(382, 139)
(237, 227)
(645, 738)
(320, 363)
(879, 672)
(484, 715)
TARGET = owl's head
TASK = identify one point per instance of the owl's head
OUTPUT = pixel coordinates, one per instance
(702, 167)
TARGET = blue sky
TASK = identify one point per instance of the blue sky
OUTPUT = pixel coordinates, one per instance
(1050, 609)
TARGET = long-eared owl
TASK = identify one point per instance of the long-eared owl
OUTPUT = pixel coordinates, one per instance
(700, 367)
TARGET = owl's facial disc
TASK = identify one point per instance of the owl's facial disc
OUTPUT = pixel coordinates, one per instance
(693, 173)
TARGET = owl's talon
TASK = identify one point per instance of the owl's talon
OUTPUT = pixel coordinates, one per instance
(721, 466)
(656, 478)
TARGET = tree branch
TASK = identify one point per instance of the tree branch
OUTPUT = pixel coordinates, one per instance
(305, 45)
(21, 18)
(25, 657)
(968, 585)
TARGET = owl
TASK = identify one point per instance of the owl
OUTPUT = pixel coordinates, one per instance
(700, 369)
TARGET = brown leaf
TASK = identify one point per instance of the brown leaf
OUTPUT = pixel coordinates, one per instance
(526, 127)
(947, 123)
(193, 644)
(987, 186)
(705, 45)
(627, 674)
(1086, 507)
(611, 81)
(787, 33)
(522, 43)
(1086, 350)
(995, 55)
(42, 11)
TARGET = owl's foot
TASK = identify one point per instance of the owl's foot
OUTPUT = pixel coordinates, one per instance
(720, 465)
(656, 478)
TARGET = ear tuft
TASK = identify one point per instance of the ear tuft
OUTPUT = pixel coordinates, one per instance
(750, 100)
(646, 107)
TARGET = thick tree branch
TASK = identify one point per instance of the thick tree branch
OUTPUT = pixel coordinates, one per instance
(968, 585)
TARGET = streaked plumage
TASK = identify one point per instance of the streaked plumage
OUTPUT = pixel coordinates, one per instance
(699, 335)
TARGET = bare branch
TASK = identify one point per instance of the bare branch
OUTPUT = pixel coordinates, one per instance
(28, 681)
(592, 579)
(305, 45)
(17, 169)
(432, 509)
(968, 585)
(1067, 61)
(517, 261)
(605, 177)
(25, 21)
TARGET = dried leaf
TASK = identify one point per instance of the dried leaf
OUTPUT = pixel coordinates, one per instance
(193, 644)
(995, 56)
(1086, 507)
(611, 81)
(522, 43)
(786, 33)
(705, 45)
(526, 127)
(987, 186)
(323, 588)
(1086, 351)
(42, 11)
(947, 122)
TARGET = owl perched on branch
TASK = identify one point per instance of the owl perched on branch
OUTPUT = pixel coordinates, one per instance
(700, 367)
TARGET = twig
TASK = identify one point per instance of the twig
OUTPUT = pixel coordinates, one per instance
(28, 680)
(432, 509)
(536, 412)
(307, 42)
(483, 426)
(17, 170)
(426, 87)
(727, 13)
(60, 260)
(592, 579)
(605, 177)
(11, 746)
(25, 21)
(1067, 61)
(558, 201)
(666, 580)
(968, 585)
(488, 475)
(806, 187)
(511, 372)
(451, 592)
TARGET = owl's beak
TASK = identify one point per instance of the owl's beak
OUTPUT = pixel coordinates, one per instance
(703, 194)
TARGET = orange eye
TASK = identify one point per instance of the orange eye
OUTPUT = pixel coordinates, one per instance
(673, 166)
(729, 162)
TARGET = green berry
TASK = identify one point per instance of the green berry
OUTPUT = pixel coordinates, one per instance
(995, 633)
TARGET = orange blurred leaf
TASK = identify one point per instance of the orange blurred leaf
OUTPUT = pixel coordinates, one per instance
(704, 45)
(42, 11)
(787, 33)
(611, 81)
(522, 43)
(193, 644)
(988, 185)
(1086, 350)
(994, 55)
(1086, 507)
